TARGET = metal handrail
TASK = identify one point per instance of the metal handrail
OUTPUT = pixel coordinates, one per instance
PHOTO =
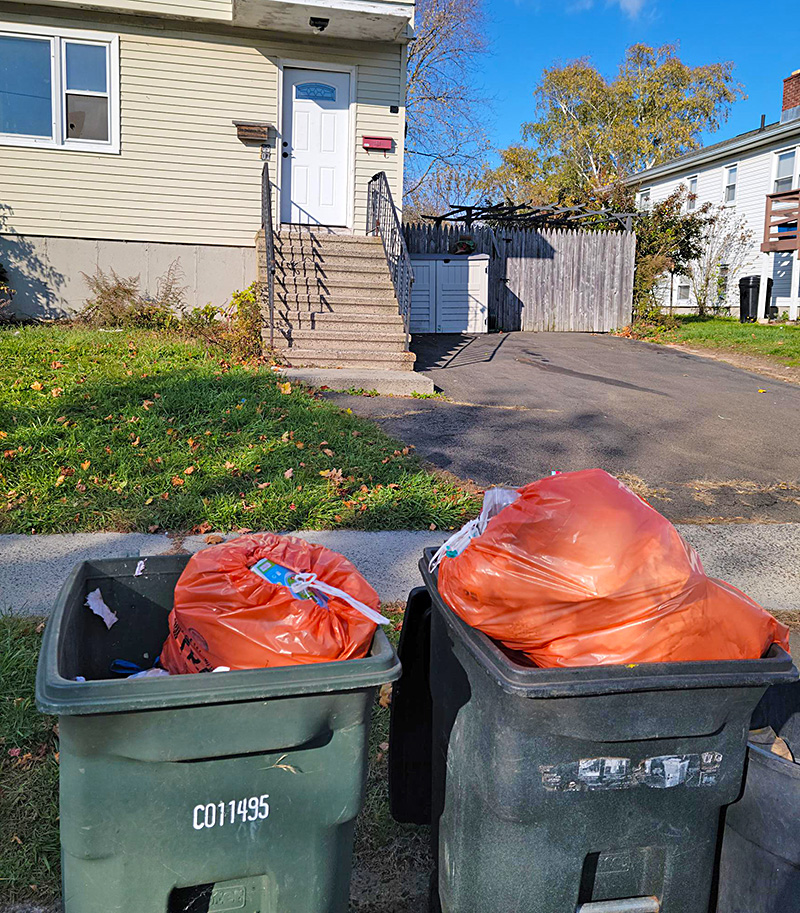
(269, 247)
(382, 219)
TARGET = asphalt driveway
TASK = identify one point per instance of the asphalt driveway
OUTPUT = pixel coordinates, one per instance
(701, 439)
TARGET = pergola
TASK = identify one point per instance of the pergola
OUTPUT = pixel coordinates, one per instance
(526, 215)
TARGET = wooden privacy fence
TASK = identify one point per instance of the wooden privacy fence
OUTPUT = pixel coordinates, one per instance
(545, 280)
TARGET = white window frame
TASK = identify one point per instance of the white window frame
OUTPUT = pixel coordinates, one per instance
(645, 200)
(691, 199)
(683, 283)
(58, 139)
(726, 185)
(795, 173)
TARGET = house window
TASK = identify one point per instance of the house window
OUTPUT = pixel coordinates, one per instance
(731, 173)
(684, 291)
(644, 200)
(691, 199)
(59, 88)
(784, 171)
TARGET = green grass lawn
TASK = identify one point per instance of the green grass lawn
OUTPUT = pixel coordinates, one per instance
(29, 849)
(777, 341)
(143, 430)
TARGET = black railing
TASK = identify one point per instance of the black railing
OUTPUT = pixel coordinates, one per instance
(269, 247)
(382, 220)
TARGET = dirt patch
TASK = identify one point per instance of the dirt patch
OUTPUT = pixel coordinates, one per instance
(757, 364)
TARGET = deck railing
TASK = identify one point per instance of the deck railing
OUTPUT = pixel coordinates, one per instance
(780, 221)
(383, 221)
(269, 247)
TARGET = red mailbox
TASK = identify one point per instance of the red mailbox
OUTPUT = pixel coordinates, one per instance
(378, 143)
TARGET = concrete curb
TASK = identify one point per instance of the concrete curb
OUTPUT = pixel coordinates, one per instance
(763, 560)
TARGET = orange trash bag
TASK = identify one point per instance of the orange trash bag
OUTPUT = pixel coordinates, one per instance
(268, 600)
(577, 570)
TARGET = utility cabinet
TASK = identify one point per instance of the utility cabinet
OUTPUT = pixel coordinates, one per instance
(450, 293)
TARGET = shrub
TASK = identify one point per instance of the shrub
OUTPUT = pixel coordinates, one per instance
(235, 328)
(6, 293)
(117, 301)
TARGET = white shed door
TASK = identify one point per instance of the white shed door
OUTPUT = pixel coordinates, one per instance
(422, 297)
(461, 296)
(314, 147)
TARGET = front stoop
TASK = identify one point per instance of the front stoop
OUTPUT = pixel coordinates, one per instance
(385, 382)
(335, 305)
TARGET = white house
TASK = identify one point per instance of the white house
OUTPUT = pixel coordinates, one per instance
(132, 134)
(756, 175)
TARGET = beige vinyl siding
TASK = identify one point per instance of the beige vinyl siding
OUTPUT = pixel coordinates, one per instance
(220, 10)
(182, 175)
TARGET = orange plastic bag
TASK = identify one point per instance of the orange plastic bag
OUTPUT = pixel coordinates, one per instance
(580, 571)
(226, 614)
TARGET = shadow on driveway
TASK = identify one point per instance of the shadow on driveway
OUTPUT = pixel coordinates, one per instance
(701, 439)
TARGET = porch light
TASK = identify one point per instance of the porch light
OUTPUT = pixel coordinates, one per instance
(318, 23)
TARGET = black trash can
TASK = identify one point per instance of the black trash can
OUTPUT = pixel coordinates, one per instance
(760, 861)
(596, 789)
(749, 287)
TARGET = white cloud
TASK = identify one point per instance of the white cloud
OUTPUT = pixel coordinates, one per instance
(631, 8)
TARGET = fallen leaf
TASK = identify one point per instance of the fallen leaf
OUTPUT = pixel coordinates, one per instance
(328, 452)
(385, 698)
(56, 391)
(147, 404)
(36, 385)
(60, 480)
(177, 480)
(432, 526)
(148, 501)
(135, 442)
(60, 420)
(189, 470)
(264, 485)
(214, 539)
(16, 840)
(153, 528)
(86, 464)
(285, 388)
(288, 474)
(292, 507)
(229, 465)
(79, 486)
(762, 391)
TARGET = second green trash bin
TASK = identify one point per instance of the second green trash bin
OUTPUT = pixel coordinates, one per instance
(596, 789)
(234, 791)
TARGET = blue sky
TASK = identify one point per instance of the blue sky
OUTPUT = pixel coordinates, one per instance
(529, 35)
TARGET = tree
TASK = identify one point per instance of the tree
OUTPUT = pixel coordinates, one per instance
(668, 240)
(446, 140)
(591, 133)
(726, 248)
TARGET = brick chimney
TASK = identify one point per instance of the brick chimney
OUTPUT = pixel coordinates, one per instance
(791, 97)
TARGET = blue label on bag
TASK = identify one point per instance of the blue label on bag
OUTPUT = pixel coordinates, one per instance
(283, 576)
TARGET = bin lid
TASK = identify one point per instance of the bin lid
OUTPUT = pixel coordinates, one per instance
(73, 635)
(533, 682)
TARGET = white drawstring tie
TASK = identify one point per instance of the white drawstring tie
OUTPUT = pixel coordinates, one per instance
(302, 583)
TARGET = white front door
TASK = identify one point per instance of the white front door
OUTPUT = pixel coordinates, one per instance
(314, 147)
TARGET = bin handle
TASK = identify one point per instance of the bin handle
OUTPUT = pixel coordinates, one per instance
(629, 905)
(302, 583)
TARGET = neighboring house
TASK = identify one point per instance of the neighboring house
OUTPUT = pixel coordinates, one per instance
(757, 176)
(132, 134)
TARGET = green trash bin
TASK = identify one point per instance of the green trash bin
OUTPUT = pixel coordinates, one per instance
(235, 791)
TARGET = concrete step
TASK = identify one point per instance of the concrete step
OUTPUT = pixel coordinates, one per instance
(341, 283)
(310, 358)
(322, 341)
(338, 274)
(379, 322)
(369, 254)
(326, 300)
(360, 306)
(315, 236)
